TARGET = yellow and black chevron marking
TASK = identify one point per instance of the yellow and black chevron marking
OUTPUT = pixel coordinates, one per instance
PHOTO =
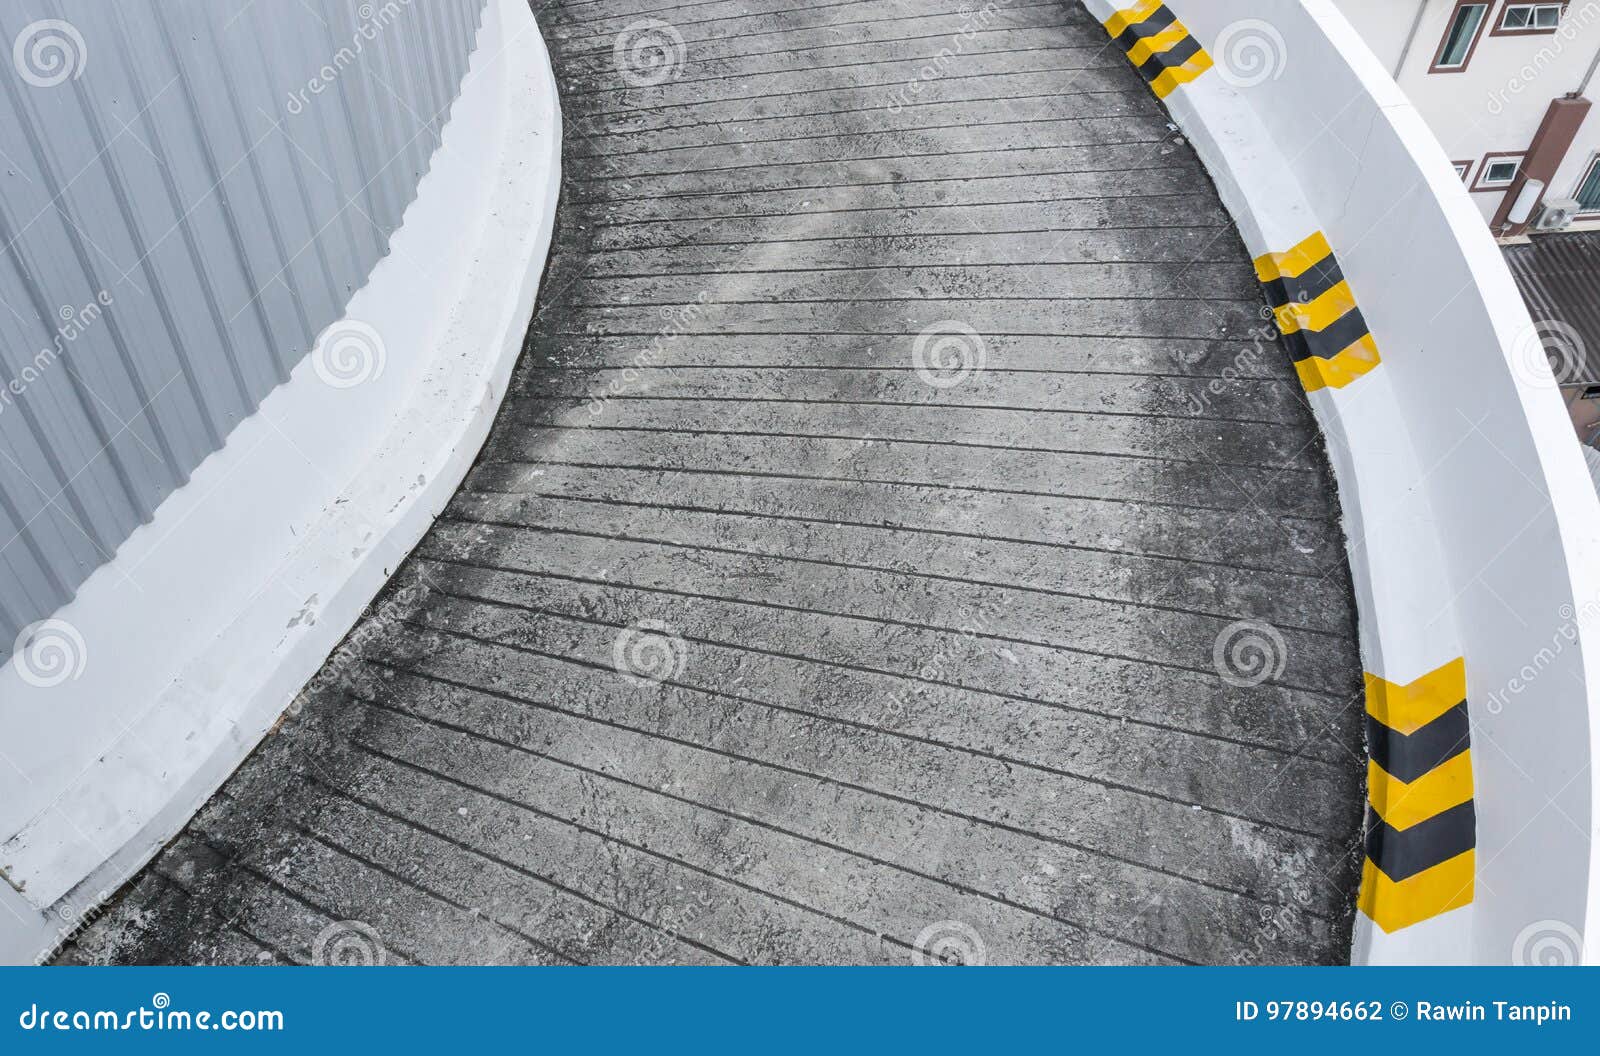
(1162, 48)
(1317, 313)
(1421, 826)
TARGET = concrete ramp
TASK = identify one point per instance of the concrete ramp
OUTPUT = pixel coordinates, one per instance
(895, 548)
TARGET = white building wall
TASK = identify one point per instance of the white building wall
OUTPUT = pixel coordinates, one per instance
(1496, 104)
(1383, 24)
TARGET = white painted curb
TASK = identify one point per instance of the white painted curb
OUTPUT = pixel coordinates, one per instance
(210, 619)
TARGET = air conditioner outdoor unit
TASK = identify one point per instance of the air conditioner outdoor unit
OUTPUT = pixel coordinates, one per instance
(1557, 214)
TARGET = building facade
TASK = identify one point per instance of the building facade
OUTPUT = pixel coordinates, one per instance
(1505, 86)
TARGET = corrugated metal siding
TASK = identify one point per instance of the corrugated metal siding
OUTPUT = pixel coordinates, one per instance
(1559, 276)
(180, 216)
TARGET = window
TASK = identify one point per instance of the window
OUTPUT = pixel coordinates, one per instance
(1462, 168)
(1589, 190)
(1461, 37)
(1498, 171)
(1531, 18)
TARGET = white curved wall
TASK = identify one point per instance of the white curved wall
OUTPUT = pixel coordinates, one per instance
(1473, 529)
(188, 647)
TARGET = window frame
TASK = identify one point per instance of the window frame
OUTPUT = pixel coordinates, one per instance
(1477, 37)
(1589, 172)
(1501, 30)
(1489, 161)
(1463, 170)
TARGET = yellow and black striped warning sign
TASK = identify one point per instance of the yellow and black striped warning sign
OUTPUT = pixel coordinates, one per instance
(1161, 47)
(1317, 314)
(1421, 824)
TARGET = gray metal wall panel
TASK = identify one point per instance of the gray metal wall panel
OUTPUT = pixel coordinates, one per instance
(190, 192)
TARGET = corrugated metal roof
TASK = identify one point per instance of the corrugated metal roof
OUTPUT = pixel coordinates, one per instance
(1559, 276)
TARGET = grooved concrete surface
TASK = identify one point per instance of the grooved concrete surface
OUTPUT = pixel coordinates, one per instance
(748, 640)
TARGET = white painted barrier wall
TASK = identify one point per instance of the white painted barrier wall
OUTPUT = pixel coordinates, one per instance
(188, 647)
(1473, 530)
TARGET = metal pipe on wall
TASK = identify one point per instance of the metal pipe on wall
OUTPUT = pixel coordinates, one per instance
(1411, 38)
